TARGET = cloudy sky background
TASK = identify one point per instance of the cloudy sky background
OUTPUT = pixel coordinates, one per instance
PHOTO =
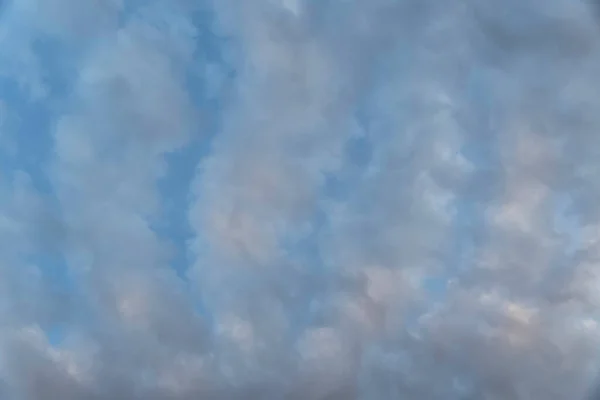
(299, 199)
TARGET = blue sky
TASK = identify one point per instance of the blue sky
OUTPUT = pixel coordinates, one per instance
(298, 199)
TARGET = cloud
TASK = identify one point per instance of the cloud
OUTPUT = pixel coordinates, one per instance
(397, 201)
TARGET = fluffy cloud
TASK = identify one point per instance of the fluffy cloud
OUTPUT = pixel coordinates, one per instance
(393, 199)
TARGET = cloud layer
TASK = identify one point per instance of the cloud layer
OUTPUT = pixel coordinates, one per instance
(291, 199)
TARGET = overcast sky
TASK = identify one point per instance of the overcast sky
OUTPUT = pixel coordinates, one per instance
(299, 199)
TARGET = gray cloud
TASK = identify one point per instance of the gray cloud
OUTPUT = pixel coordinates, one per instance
(399, 203)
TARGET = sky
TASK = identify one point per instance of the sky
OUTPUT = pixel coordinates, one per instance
(299, 199)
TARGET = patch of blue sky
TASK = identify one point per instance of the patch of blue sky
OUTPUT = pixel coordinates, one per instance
(26, 142)
(207, 82)
(566, 223)
(306, 279)
(27, 147)
(60, 284)
(468, 227)
(452, 257)
(174, 187)
(56, 334)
